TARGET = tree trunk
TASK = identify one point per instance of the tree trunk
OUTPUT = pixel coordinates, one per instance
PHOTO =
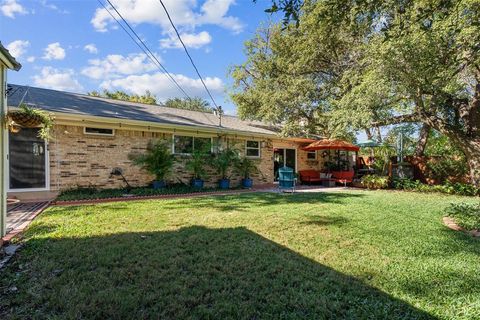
(471, 149)
(422, 140)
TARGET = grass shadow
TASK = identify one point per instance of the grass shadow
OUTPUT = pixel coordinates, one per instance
(191, 273)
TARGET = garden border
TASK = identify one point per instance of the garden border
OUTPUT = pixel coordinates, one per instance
(158, 196)
(452, 225)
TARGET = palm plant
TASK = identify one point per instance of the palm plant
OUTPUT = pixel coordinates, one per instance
(157, 160)
(223, 161)
(246, 166)
(196, 165)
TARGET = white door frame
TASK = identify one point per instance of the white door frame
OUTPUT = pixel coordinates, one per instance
(47, 169)
(285, 156)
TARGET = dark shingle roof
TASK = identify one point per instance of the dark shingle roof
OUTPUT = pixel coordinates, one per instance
(4, 52)
(80, 104)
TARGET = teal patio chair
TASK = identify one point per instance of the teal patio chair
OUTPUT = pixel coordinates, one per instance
(286, 178)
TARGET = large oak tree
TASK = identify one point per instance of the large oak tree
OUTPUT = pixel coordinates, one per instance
(350, 65)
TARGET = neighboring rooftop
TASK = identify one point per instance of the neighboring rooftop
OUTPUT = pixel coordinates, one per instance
(8, 59)
(80, 104)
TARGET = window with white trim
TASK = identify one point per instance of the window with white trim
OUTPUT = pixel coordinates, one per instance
(252, 149)
(312, 155)
(186, 144)
(99, 131)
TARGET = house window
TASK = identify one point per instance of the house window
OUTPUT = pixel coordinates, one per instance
(99, 131)
(252, 149)
(311, 155)
(186, 144)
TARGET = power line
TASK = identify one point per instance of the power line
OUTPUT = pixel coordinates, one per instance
(188, 54)
(149, 54)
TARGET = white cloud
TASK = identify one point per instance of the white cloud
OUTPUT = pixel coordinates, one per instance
(185, 14)
(31, 59)
(52, 78)
(116, 65)
(18, 47)
(91, 48)
(191, 40)
(162, 87)
(10, 8)
(54, 52)
(53, 7)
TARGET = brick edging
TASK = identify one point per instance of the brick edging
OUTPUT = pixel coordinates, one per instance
(12, 234)
(451, 224)
(159, 196)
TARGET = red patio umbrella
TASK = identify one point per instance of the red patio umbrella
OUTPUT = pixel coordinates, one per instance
(331, 144)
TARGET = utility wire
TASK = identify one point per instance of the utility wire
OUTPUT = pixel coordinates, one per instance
(188, 54)
(145, 48)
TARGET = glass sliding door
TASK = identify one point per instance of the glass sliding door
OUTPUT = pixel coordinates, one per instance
(284, 157)
(27, 160)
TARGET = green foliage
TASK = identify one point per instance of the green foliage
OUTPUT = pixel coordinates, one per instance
(375, 182)
(350, 65)
(224, 160)
(245, 167)
(194, 104)
(466, 215)
(448, 161)
(147, 98)
(197, 162)
(93, 193)
(448, 188)
(157, 160)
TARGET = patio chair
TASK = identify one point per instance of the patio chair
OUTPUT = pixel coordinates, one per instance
(286, 178)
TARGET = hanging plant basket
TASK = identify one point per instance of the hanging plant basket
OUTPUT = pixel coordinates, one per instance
(24, 119)
(28, 117)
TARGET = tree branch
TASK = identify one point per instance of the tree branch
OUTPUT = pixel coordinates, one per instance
(414, 117)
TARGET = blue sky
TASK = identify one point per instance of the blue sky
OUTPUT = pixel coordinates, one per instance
(76, 46)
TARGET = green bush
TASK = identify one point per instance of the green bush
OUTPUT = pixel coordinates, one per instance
(158, 160)
(92, 193)
(375, 182)
(466, 215)
(462, 189)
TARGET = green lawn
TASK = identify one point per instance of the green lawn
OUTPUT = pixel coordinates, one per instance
(352, 255)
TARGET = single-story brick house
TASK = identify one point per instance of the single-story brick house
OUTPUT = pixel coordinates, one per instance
(93, 135)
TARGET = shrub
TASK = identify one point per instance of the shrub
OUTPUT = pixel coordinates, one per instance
(158, 160)
(462, 189)
(245, 167)
(375, 182)
(196, 163)
(466, 215)
(223, 161)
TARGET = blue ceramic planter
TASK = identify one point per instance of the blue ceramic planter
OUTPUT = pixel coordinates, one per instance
(247, 183)
(159, 184)
(224, 183)
(197, 183)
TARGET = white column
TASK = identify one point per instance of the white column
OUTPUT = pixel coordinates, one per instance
(3, 151)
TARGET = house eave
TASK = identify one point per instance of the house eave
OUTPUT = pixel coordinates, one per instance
(128, 124)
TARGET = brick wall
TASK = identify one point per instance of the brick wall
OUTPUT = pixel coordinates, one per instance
(79, 160)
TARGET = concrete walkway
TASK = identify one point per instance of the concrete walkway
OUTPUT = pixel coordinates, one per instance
(20, 215)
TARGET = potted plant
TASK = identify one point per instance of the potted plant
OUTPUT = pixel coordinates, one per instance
(196, 165)
(246, 166)
(158, 160)
(29, 117)
(223, 161)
